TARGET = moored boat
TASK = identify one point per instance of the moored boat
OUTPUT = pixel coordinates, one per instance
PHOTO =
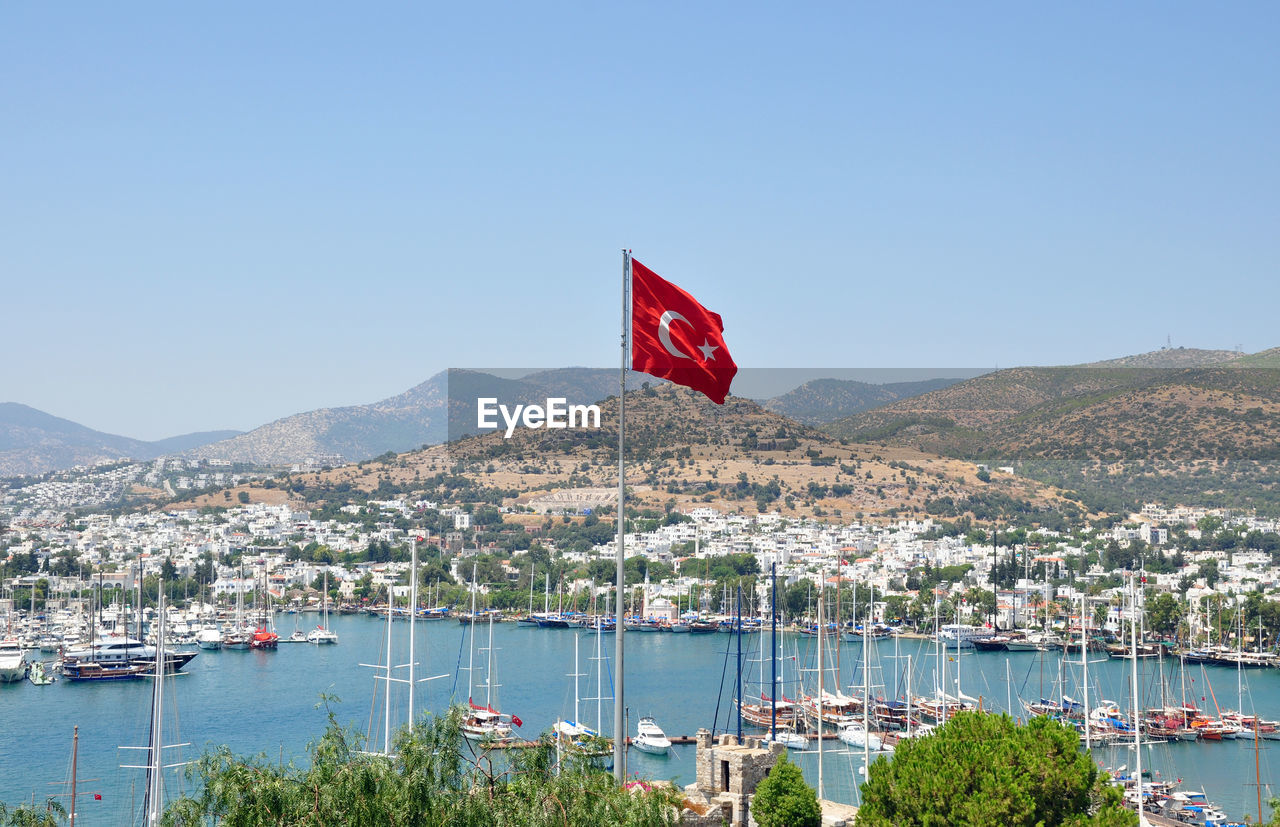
(484, 722)
(115, 651)
(40, 676)
(76, 670)
(13, 660)
(322, 634)
(264, 638)
(209, 637)
(855, 734)
(790, 740)
(650, 738)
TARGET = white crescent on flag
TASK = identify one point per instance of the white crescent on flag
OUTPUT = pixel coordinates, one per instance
(664, 332)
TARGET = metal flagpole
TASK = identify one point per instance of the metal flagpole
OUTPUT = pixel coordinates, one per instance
(619, 731)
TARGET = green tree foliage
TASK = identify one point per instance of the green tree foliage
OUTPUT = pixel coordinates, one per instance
(783, 799)
(1209, 571)
(985, 769)
(728, 566)
(1164, 613)
(794, 600)
(51, 814)
(434, 778)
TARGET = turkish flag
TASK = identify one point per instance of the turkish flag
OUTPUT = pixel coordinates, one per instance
(673, 337)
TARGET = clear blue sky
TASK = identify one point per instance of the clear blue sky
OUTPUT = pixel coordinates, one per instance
(212, 216)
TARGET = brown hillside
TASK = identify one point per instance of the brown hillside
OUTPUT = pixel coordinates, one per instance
(683, 449)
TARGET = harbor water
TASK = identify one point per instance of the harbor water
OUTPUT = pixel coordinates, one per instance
(271, 703)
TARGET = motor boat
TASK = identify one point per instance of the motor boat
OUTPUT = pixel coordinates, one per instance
(650, 738)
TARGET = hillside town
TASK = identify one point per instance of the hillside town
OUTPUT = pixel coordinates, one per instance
(234, 549)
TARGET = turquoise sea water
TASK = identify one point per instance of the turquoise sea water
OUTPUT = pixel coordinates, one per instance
(265, 702)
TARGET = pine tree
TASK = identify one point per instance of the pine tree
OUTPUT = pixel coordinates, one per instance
(783, 799)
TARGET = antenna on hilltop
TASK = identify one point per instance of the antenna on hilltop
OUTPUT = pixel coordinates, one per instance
(1168, 342)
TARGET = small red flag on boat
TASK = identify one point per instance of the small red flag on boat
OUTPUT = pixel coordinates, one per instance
(516, 720)
(97, 796)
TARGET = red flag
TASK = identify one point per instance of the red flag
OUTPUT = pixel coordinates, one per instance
(674, 337)
(97, 796)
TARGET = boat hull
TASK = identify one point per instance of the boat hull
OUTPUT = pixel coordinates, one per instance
(11, 674)
(99, 672)
(662, 747)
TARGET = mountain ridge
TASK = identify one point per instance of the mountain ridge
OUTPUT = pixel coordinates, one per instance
(35, 442)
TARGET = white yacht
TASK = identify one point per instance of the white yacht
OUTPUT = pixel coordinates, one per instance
(13, 660)
(651, 738)
(114, 651)
(320, 634)
(209, 637)
(962, 635)
(789, 739)
(855, 735)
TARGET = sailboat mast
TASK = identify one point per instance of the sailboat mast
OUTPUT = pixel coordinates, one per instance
(940, 675)
(1084, 666)
(471, 653)
(386, 689)
(959, 692)
(1239, 661)
(908, 696)
(1257, 766)
(413, 616)
(1008, 686)
(76, 758)
(839, 579)
(773, 651)
(866, 681)
(739, 622)
(821, 789)
(599, 681)
(1137, 720)
(126, 628)
(155, 767)
(488, 670)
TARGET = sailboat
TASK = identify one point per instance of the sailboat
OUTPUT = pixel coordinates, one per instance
(264, 637)
(238, 636)
(322, 633)
(153, 794)
(571, 735)
(858, 733)
(775, 712)
(529, 621)
(484, 721)
(388, 667)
